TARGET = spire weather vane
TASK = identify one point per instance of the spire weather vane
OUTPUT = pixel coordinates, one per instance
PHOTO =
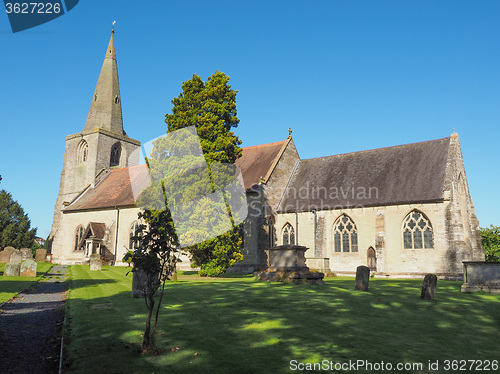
(113, 30)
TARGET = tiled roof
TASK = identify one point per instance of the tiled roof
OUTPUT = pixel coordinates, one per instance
(256, 161)
(115, 190)
(395, 175)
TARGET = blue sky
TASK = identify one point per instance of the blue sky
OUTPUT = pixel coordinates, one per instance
(344, 75)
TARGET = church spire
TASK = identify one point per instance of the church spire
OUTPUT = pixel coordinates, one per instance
(106, 109)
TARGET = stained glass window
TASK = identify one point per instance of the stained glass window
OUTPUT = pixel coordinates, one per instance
(417, 231)
(345, 235)
(288, 235)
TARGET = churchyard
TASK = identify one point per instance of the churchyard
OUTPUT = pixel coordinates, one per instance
(11, 286)
(239, 325)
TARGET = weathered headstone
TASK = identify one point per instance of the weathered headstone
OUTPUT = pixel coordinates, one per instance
(16, 257)
(95, 262)
(40, 255)
(429, 287)
(12, 269)
(28, 268)
(26, 254)
(10, 249)
(139, 280)
(362, 278)
(5, 257)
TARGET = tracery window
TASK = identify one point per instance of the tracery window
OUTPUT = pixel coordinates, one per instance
(115, 155)
(417, 231)
(288, 235)
(78, 238)
(83, 152)
(133, 244)
(345, 235)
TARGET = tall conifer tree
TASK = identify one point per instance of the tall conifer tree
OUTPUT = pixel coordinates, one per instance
(211, 107)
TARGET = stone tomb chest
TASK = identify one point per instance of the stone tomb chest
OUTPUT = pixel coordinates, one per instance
(287, 258)
(288, 263)
(481, 276)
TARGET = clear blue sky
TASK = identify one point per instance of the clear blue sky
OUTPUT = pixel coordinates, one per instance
(345, 75)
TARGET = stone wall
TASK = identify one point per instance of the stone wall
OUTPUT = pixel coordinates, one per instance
(77, 175)
(462, 225)
(380, 228)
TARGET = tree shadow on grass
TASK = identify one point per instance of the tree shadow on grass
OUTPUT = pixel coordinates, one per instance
(248, 327)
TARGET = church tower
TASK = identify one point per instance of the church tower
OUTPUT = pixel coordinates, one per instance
(102, 145)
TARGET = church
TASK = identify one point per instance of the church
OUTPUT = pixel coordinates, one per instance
(403, 211)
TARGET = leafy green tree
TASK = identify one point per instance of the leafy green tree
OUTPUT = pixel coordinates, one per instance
(15, 225)
(154, 261)
(490, 238)
(211, 107)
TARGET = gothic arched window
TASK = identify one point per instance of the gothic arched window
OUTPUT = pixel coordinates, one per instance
(83, 152)
(133, 244)
(78, 238)
(417, 231)
(288, 235)
(345, 235)
(115, 155)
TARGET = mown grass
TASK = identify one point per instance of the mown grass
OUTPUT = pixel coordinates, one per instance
(11, 286)
(238, 325)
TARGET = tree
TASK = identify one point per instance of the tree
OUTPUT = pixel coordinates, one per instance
(490, 238)
(210, 107)
(15, 225)
(154, 262)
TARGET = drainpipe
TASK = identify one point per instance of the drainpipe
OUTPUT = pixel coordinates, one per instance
(296, 228)
(116, 234)
(315, 253)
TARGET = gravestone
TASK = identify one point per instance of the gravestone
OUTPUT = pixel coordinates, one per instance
(16, 257)
(95, 262)
(40, 255)
(12, 269)
(5, 257)
(28, 268)
(138, 281)
(362, 278)
(10, 249)
(429, 287)
(26, 254)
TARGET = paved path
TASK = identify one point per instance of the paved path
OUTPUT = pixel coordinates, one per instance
(30, 326)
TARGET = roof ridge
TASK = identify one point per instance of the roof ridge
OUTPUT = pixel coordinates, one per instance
(264, 145)
(375, 149)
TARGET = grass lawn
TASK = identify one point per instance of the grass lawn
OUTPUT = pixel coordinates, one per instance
(238, 325)
(11, 286)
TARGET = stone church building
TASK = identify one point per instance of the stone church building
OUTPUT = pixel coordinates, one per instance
(404, 211)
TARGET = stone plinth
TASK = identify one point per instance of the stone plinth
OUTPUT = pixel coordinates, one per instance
(318, 263)
(12, 269)
(28, 268)
(481, 276)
